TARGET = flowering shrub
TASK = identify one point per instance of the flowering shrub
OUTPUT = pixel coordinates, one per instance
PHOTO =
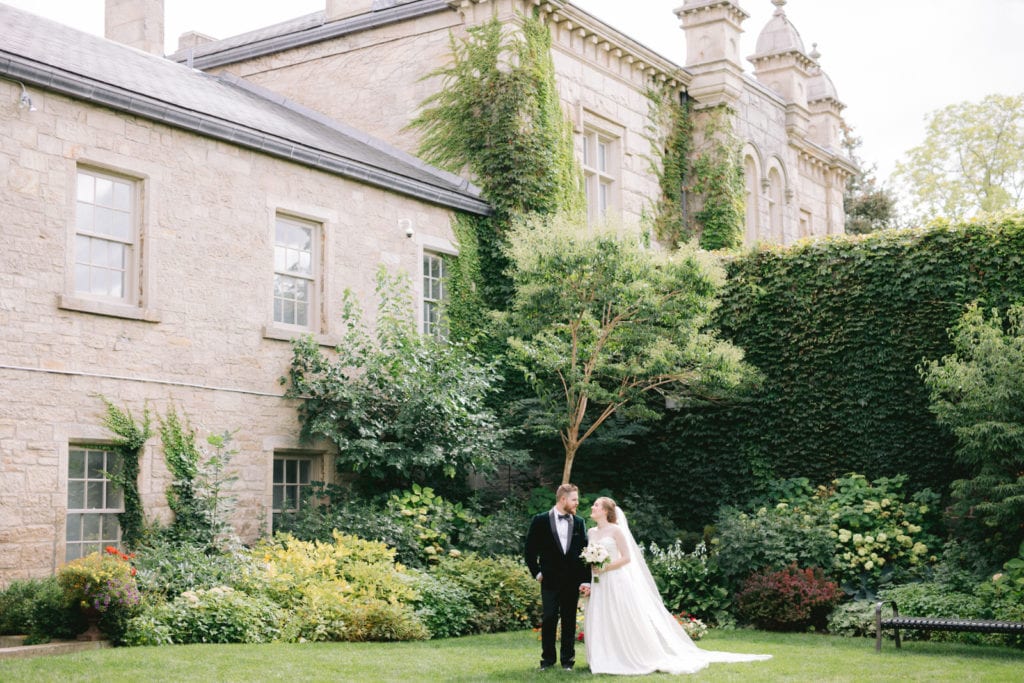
(791, 599)
(694, 627)
(504, 595)
(101, 581)
(689, 581)
(876, 530)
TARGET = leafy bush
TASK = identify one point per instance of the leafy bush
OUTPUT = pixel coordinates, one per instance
(38, 609)
(445, 608)
(772, 538)
(1003, 594)
(218, 615)
(791, 599)
(504, 595)
(689, 582)
(100, 581)
(166, 569)
(854, 619)
(878, 530)
(436, 522)
(501, 532)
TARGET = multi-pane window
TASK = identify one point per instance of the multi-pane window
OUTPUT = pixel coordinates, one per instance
(291, 482)
(295, 272)
(433, 295)
(599, 169)
(94, 501)
(105, 235)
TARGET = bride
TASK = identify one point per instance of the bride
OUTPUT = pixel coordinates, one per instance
(627, 628)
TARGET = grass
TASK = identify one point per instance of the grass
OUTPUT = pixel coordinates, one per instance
(514, 657)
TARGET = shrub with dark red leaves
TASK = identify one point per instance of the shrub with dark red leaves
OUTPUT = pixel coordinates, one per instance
(791, 599)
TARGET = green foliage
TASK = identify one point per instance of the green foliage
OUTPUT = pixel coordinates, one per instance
(216, 615)
(597, 322)
(166, 569)
(978, 393)
(500, 532)
(100, 581)
(445, 608)
(436, 522)
(878, 530)
(854, 619)
(837, 329)
(1003, 593)
(504, 595)
(971, 161)
(198, 493)
(18, 604)
(129, 439)
(52, 617)
(671, 136)
(869, 207)
(771, 538)
(497, 115)
(716, 178)
(790, 599)
(690, 581)
(400, 406)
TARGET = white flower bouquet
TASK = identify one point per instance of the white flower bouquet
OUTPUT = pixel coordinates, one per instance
(595, 555)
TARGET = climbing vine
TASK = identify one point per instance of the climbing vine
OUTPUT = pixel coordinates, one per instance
(130, 437)
(671, 134)
(717, 177)
(498, 117)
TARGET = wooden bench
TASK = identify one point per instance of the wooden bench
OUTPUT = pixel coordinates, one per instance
(896, 622)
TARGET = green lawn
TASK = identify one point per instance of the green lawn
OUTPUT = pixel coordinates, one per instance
(514, 657)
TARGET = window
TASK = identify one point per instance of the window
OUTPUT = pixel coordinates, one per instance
(434, 295)
(94, 501)
(295, 272)
(600, 167)
(291, 482)
(105, 236)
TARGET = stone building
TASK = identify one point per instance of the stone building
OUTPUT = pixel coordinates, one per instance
(171, 223)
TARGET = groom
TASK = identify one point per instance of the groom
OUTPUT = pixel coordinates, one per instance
(553, 546)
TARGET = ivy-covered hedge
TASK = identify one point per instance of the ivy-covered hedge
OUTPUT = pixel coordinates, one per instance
(838, 329)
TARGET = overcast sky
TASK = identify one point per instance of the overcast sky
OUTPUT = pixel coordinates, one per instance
(892, 61)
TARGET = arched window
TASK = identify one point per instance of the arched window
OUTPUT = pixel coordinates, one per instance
(775, 205)
(750, 179)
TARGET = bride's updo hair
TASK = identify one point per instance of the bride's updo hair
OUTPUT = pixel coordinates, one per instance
(609, 506)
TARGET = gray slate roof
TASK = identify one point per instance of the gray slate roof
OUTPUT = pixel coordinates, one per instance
(49, 55)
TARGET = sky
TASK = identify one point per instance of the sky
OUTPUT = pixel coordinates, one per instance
(892, 61)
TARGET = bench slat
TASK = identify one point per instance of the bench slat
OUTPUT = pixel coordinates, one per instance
(938, 624)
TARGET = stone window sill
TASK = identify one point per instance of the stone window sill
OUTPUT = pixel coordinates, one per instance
(113, 310)
(282, 333)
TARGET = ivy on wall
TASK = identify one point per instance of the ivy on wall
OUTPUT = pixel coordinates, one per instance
(498, 117)
(711, 176)
(129, 438)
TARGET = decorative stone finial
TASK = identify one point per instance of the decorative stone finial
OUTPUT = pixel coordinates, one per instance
(778, 7)
(815, 55)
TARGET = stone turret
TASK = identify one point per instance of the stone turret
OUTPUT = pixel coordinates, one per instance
(781, 63)
(825, 107)
(713, 29)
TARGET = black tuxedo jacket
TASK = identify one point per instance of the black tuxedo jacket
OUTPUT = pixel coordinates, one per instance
(544, 553)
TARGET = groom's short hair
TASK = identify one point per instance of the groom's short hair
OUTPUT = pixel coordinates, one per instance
(564, 490)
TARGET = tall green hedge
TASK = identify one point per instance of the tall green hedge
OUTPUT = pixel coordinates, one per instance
(838, 329)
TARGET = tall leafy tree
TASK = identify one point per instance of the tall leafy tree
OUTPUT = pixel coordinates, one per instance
(400, 406)
(978, 392)
(870, 206)
(971, 160)
(597, 323)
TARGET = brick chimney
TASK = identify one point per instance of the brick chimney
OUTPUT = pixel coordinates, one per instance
(342, 9)
(136, 23)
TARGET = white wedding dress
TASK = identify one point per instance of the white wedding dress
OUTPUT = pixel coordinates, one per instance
(627, 629)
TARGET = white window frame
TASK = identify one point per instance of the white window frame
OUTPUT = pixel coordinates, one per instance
(435, 294)
(93, 500)
(106, 221)
(602, 163)
(312, 277)
(286, 489)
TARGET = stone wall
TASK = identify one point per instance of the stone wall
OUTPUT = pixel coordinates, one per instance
(202, 342)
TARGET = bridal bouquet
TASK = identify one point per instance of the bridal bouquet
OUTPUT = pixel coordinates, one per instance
(595, 555)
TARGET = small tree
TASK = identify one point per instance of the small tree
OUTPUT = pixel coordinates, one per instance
(978, 392)
(597, 323)
(869, 205)
(399, 405)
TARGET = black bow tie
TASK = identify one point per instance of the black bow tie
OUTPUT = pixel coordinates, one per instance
(565, 517)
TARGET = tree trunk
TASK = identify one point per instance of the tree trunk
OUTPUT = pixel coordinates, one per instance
(570, 455)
